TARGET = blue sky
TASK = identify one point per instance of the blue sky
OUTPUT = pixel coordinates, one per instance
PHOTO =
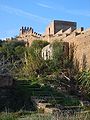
(38, 14)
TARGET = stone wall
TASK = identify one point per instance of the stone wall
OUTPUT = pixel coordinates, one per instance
(78, 39)
(47, 51)
(28, 35)
(58, 25)
(50, 29)
(79, 42)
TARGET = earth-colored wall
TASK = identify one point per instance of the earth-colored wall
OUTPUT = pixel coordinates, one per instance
(79, 40)
(50, 29)
(80, 43)
(58, 25)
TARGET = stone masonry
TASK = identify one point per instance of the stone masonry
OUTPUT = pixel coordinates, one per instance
(28, 35)
(58, 25)
(78, 40)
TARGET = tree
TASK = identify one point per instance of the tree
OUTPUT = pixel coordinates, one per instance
(33, 59)
(9, 49)
(39, 44)
(11, 54)
(57, 54)
(1, 42)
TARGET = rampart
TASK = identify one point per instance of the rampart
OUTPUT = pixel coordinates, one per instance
(78, 39)
(28, 35)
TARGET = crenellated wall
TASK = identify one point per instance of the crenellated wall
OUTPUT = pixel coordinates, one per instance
(78, 39)
(28, 35)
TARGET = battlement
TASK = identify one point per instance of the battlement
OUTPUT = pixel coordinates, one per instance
(66, 31)
(27, 31)
(56, 30)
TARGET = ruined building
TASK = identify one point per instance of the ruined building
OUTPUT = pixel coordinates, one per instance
(47, 51)
(78, 40)
(60, 26)
(28, 35)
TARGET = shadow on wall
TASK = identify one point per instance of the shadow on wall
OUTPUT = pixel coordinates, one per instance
(84, 62)
(74, 63)
(83, 65)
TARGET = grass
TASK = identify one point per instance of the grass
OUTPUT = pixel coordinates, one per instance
(38, 116)
(78, 116)
(8, 116)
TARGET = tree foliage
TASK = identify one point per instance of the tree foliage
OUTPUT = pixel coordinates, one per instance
(57, 54)
(33, 59)
(11, 55)
(12, 48)
(39, 44)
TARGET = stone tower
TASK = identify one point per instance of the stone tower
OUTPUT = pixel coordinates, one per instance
(58, 25)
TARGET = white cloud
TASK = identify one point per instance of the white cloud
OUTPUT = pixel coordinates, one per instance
(20, 12)
(45, 6)
(65, 10)
(79, 12)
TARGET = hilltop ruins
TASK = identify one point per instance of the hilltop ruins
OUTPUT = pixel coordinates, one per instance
(77, 40)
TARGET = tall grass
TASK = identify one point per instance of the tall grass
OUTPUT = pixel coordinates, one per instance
(38, 116)
(79, 116)
(7, 116)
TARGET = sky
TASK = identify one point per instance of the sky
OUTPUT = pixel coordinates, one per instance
(39, 13)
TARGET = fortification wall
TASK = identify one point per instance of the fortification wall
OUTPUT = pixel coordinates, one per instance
(50, 29)
(58, 25)
(79, 41)
(28, 35)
